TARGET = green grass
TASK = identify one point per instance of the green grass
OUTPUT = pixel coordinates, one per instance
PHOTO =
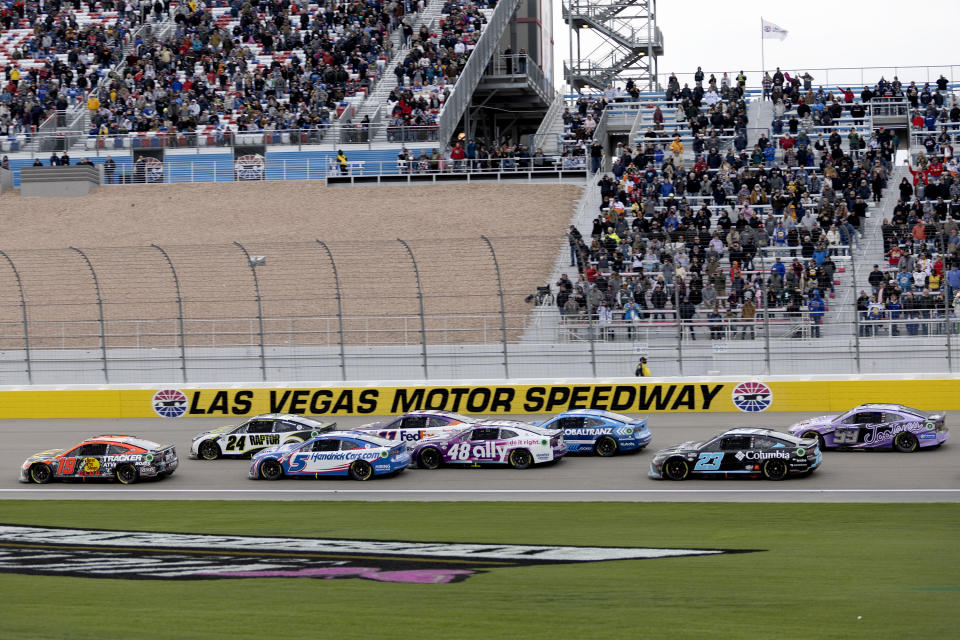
(896, 565)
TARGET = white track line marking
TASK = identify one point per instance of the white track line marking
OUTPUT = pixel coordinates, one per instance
(472, 491)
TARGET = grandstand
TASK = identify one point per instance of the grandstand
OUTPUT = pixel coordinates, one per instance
(719, 227)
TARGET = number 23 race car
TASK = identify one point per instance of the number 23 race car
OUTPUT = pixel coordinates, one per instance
(751, 453)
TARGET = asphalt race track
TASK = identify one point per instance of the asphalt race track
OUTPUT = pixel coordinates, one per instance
(881, 476)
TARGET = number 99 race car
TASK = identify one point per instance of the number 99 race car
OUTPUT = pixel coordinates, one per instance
(122, 458)
(876, 426)
(742, 452)
(257, 433)
(601, 432)
(337, 453)
(517, 444)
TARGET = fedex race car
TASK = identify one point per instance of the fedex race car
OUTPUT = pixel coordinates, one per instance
(601, 432)
(122, 458)
(417, 425)
(876, 426)
(259, 432)
(335, 453)
(517, 444)
(742, 452)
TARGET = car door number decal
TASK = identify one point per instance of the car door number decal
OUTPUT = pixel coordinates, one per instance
(235, 443)
(708, 461)
(298, 462)
(846, 435)
(67, 466)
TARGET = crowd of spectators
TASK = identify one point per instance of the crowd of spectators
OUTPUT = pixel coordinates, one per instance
(267, 66)
(54, 52)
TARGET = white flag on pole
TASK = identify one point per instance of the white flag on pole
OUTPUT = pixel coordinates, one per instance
(771, 30)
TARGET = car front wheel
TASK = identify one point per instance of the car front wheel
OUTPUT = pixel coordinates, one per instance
(429, 458)
(676, 469)
(905, 442)
(775, 469)
(209, 450)
(271, 470)
(41, 473)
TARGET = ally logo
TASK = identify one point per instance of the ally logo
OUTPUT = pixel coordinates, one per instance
(146, 555)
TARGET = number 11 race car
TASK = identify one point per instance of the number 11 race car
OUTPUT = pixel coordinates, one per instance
(876, 426)
(123, 458)
(751, 453)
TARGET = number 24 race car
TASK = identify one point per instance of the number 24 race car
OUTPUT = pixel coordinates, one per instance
(122, 458)
(256, 434)
(750, 453)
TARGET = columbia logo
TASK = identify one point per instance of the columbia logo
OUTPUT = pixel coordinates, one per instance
(740, 456)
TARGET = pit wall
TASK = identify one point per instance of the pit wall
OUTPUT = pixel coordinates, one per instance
(626, 395)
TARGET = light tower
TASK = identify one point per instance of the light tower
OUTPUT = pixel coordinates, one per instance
(611, 41)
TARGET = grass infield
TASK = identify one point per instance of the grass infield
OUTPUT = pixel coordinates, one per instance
(827, 571)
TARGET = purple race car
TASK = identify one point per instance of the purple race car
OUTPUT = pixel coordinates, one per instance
(876, 426)
(517, 444)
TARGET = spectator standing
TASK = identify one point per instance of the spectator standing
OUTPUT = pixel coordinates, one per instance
(109, 168)
(816, 308)
(642, 371)
(342, 162)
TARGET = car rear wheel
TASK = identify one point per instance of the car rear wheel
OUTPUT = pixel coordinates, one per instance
(429, 458)
(809, 435)
(605, 446)
(271, 470)
(209, 450)
(361, 470)
(775, 469)
(520, 459)
(125, 474)
(676, 469)
(41, 473)
(905, 442)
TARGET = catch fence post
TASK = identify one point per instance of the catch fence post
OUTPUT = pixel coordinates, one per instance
(23, 311)
(503, 317)
(176, 284)
(423, 323)
(103, 336)
(256, 288)
(336, 282)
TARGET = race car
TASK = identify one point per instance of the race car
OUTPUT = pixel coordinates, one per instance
(601, 432)
(417, 425)
(256, 434)
(517, 444)
(741, 452)
(126, 459)
(876, 426)
(335, 453)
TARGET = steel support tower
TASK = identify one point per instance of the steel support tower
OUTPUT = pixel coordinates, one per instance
(611, 41)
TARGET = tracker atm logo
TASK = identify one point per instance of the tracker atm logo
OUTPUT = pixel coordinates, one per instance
(144, 555)
(752, 397)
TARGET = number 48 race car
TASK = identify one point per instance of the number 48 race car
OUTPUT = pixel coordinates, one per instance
(751, 453)
(517, 444)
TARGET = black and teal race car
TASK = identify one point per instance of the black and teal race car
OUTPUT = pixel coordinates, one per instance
(741, 452)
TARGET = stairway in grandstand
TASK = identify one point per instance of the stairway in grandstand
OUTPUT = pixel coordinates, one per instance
(388, 79)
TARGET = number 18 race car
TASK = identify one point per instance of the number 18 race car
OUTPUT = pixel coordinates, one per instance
(256, 434)
(876, 426)
(743, 452)
(123, 458)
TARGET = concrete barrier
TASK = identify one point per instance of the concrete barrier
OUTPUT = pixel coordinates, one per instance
(59, 182)
(6, 180)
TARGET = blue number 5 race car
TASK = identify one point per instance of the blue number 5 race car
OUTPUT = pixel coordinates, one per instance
(601, 432)
(337, 453)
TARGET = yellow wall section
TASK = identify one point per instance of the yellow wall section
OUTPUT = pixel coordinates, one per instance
(624, 396)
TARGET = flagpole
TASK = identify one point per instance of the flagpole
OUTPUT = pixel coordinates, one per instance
(763, 63)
